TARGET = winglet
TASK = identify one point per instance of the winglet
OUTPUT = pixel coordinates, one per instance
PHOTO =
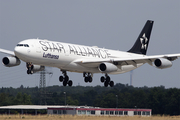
(141, 44)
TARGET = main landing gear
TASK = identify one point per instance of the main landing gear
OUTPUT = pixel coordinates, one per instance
(65, 79)
(87, 77)
(107, 81)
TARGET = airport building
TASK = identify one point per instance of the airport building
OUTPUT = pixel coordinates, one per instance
(80, 110)
(85, 110)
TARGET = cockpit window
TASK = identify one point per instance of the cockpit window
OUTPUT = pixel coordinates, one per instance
(19, 44)
(25, 45)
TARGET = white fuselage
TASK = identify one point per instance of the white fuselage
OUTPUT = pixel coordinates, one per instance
(65, 55)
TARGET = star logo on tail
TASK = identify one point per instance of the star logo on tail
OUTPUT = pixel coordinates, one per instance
(144, 41)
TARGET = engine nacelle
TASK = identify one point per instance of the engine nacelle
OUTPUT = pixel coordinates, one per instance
(10, 61)
(107, 67)
(162, 63)
(36, 68)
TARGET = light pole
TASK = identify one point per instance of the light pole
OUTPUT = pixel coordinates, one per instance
(65, 102)
(65, 98)
(116, 101)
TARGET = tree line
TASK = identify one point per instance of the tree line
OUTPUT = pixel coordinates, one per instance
(159, 99)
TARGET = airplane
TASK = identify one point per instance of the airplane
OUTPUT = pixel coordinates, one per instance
(38, 53)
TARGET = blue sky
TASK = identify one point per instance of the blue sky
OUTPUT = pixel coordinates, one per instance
(113, 24)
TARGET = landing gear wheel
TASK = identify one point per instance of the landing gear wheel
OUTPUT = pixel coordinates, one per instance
(64, 83)
(108, 79)
(86, 79)
(70, 83)
(111, 83)
(28, 72)
(102, 79)
(61, 78)
(90, 79)
(66, 78)
(106, 84)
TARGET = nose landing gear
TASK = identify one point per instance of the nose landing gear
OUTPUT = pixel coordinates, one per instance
(29, 67)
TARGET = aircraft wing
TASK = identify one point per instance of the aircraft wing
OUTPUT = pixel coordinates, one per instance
(7, 52)
(126, 61)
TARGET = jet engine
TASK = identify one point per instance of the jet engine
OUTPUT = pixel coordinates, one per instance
(36, 68)
(162, 63)
(107, 67)
(10, 61)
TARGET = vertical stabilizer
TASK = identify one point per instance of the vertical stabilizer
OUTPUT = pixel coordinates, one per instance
(141, 44)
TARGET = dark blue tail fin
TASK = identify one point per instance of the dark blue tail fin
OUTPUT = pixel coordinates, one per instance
(141, 44)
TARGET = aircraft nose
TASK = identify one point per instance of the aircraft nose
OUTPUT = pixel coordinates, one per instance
(19, 51)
